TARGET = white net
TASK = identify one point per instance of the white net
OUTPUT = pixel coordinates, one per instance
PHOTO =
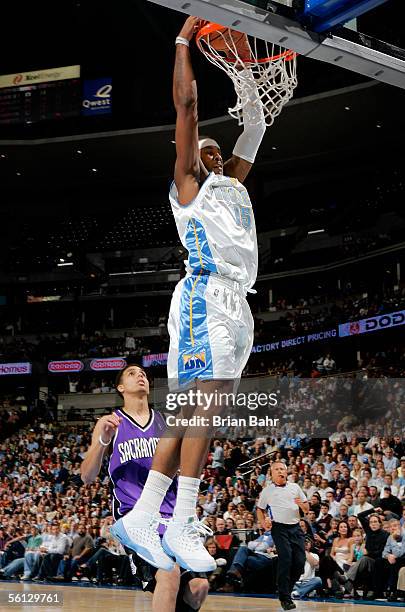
(273, 68)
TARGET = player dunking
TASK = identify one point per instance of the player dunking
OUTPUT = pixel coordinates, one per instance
(129, 436)
(210, 323)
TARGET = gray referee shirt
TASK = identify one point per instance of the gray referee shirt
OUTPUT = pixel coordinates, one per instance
(279, 502)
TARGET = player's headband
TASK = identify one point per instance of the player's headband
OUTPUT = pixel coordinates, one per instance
(207, 142)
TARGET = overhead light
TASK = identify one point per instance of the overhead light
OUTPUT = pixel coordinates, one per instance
(79, 151)
(378, 125)
(3, 156)
(69, 254)
(66, 263)
(18, 173)
(274, 148)
(61, 260)
(320, 231)
(347, 108)
(94, 169)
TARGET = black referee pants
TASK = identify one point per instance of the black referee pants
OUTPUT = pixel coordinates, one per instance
(289, 541)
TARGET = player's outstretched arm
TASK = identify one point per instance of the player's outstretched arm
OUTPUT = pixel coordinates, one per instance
(187, 169)
(103, 433)
(254, 127)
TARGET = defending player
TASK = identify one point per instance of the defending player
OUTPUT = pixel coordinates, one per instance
(130, 436)
(210, 323)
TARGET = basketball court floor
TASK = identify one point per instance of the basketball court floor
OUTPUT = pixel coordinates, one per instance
(83, 598)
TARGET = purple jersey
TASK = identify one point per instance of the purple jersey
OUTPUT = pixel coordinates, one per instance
(131, 460)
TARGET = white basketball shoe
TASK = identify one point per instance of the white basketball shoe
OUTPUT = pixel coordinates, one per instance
(182, 540)
(140, 534)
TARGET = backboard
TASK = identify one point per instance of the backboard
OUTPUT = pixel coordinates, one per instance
(284, 22)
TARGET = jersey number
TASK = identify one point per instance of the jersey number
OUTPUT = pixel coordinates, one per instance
(243, 216)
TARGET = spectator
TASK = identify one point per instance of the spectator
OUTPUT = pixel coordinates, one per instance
(390, 504)
(394, 557)
(329, 364)
(334, 507)
(209, 506)
(324, 518)
(343, 511)
(221, 557)
(81, 549)
(218, 457)
(100, 564)
(390, 462)
(365, 570)
(358, 547)
(220, 527)
(374, 498)
(362, 504)
(4, 539)
(338, 561)
(16, 567)
(14, 546)
(53, 552)
(308, 581)
(32, 556)
(353, 523)
(258, 554)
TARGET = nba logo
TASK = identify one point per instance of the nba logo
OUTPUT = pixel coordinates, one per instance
(194, 362)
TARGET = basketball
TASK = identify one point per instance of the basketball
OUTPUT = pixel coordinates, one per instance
(224, 40)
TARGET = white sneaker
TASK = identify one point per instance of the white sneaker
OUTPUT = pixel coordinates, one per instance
(182, 540)
(141, 535)
(295, 595)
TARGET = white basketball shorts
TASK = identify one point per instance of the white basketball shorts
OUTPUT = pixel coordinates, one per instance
(211, 330)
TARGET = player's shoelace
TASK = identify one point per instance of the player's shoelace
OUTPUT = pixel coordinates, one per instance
(193, 532)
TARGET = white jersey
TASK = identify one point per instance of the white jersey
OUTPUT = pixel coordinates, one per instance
(218, 230)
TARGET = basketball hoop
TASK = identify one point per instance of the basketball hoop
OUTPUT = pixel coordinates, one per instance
(249, 60)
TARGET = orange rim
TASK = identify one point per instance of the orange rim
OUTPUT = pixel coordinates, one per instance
(210, 28)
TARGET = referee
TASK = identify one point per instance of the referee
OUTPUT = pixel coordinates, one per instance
(282, 501)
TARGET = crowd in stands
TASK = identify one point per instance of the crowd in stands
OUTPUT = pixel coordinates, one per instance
(315, 314)
(70, 346)
(52, 527)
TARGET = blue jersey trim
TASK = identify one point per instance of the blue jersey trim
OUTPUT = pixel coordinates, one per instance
(200, 256)
(195, 356)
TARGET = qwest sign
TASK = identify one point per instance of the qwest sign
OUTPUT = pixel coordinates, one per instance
(97, 97)
(377, 323)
